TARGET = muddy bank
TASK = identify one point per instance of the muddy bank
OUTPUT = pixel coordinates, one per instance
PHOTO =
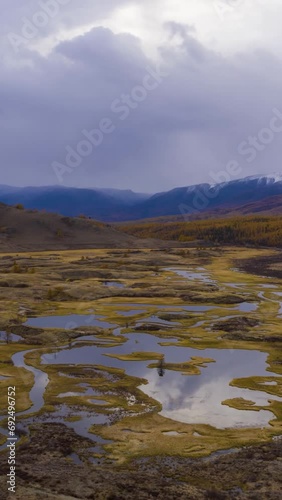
(234, 325)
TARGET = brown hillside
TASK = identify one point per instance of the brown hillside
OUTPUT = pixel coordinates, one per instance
(22, 230)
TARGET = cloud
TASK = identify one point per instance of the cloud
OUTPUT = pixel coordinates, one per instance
(192, 123)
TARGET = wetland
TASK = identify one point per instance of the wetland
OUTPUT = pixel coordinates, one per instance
(140, 357)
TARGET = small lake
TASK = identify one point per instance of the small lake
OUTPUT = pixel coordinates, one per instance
(186, 398)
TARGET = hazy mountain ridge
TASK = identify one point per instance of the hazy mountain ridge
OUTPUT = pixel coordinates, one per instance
(252, 194)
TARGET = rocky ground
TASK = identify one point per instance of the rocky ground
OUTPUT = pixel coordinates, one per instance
(46, 471)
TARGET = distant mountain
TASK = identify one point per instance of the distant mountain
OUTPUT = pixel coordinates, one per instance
(105, 204)
(125, 195)
(202, 198)
(252, 194)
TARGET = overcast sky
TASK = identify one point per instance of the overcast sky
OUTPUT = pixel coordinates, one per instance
(169, 91)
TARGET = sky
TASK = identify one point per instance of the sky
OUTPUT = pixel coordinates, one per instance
(139, 95)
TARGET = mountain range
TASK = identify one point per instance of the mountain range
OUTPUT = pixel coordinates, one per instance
(256, 194)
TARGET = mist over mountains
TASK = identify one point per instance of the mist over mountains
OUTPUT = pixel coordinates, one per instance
(250, 195)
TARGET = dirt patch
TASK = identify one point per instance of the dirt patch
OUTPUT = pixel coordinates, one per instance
(263, 266)
(240, 324)
(252, 473)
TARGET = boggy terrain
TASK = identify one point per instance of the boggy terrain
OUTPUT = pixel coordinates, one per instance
(142, 374)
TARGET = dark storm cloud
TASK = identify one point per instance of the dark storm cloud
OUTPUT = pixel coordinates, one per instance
(190, 124)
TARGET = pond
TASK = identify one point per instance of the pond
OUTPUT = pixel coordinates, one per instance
(247, 307)
(198, 399)
(242, 307)
(9, 337)
(68, 322)
(186, 398)
(87, 390)
(199, 274)
(85, 420)
(114, 284)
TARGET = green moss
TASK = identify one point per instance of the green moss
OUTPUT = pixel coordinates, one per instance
(136, 356)
(73, 419)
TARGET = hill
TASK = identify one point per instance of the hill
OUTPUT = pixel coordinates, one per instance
(22, 230)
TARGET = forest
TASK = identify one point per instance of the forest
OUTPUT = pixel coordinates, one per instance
(252, 230)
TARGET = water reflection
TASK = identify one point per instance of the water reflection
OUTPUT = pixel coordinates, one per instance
(161, 367)
(199, 400)
(198, 275)
(40, 382)
(8, 337)
(68, 322)
(186, 398)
